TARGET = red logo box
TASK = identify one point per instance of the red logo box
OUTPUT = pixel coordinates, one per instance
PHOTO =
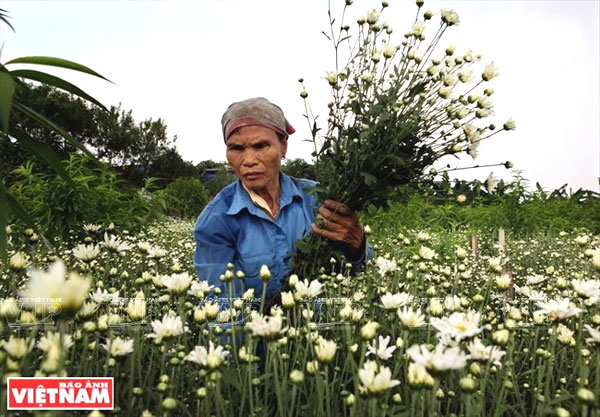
(60, 393)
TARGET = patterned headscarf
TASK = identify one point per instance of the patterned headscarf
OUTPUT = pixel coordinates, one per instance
(255, 112)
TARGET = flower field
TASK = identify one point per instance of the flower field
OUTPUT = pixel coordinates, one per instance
(428, 328)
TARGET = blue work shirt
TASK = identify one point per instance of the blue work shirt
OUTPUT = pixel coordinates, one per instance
(231, 228)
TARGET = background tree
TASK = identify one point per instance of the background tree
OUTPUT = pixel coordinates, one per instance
(299, 168)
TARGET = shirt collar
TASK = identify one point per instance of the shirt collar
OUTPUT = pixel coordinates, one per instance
(241, 200)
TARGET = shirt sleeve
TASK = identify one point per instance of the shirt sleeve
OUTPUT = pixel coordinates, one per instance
(365, 255)
(214, 248)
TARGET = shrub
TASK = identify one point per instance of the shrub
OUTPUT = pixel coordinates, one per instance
(185, 197)
(96, 195)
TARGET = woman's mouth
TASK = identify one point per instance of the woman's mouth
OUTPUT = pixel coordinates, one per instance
(251, 175)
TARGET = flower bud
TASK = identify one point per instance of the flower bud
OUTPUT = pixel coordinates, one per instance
(297, 376)
(169, 404)
(586, 396)
(468, 384)
(264, 274)
(501, 336)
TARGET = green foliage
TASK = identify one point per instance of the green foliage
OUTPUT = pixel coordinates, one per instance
(184, 198)
(299, 168)
(222, 178)
(10, 80)
(95, 195)
(522, 218)
(170, 165)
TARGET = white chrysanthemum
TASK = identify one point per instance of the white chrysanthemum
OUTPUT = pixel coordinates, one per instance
(417, 28)
(381, 349)
(564, 335)
(144, 247)
(465, 75)
(114, 243)
(491, 182)
(155, 253)
(426, 253)
(495, 264)
(594, 333)
(450, 17)
(101, 296)
(213, 357)
(51, 292)
(471, 132)
(449, 80)
(177, 283)
(372, 16)
(388, 50)
(136, 308)
(394, 301)
(118, 346)
(473, 149)
(452, 303)
(509, 125)
(325, 350)
(489, 72)
(305, 290)
(17, 347)
(200, 289)
(86, 253)
(331, 77)
(536, 279)
(267, 326)
(596, 259)
(587, 288)
(166, 328)
(376, 380)
(418, 376)
(9, 308)
(479, 352)
(51, 340)
(459, 326)
(18, 261)
(92, 228)
(442, 358)
(385, 265)
(558, 309)
(411, 318)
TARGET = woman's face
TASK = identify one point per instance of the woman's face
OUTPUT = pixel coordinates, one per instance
(255, 153)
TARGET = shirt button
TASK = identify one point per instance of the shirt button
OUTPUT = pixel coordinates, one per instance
(279, 232)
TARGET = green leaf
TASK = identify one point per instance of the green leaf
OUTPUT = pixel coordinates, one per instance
(4, 18)
(396, 159)
(56, 62)
(43, 152)
(3, 222)
(369, 179)
(56, 82)
(7, 200)
(50, 125)
(417, 89)
(7, 88)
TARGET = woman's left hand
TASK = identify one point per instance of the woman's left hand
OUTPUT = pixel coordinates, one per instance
(341, 224)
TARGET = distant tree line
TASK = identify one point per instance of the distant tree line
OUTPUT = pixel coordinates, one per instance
(138, 150)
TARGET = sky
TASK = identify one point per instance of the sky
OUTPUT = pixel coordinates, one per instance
(186, 61)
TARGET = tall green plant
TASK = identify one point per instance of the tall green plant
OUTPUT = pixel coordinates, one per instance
(94, 195)
(9, 78)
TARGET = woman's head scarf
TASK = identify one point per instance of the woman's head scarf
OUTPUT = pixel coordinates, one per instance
(255, 112)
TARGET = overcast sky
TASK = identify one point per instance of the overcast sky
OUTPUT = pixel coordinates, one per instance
(186, 61)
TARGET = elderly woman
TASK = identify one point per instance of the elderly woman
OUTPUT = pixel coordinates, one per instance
(256, 221)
